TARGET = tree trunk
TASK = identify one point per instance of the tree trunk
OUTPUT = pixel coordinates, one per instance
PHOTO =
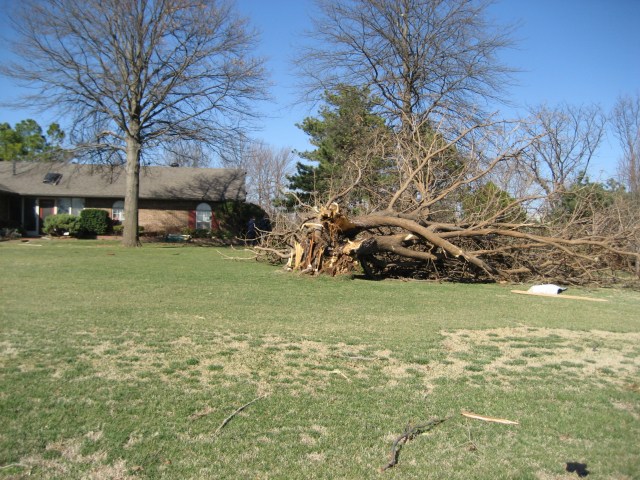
(130, 236)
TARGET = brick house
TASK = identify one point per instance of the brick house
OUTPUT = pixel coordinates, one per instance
(171, 198)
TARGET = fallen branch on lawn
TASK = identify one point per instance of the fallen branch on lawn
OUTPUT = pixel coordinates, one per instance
(570, 297)
(230, 417)
(488, 419)
(409, 434)
(14, 465)
(227, 257)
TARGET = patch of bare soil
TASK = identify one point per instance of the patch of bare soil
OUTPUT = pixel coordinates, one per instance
(268, 361)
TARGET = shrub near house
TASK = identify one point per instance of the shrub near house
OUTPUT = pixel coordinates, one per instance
(94, 221)
(58, 225)
(90, 222)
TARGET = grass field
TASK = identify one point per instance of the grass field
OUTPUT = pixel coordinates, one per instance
(136, 364)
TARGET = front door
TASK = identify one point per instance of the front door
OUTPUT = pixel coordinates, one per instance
(47, 207)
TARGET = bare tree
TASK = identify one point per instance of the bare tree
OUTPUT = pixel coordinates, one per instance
(140, 74)
(427, 59)
(267, 169)
(626, 123)
(566, 138)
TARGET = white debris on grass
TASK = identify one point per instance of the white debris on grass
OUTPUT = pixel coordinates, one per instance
(546, 289)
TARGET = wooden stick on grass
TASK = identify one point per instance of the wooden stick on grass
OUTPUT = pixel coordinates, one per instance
(488, 419)
(567, 297)
(230, 417)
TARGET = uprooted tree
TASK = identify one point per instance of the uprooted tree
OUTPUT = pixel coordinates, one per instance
(468, 228)
(440, 188)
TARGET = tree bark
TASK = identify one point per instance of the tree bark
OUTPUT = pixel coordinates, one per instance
(130, 237)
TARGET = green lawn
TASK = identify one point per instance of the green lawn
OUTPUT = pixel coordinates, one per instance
(126, 363)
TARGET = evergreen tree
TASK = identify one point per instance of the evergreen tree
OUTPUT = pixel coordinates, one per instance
(26, 141)
(343, 134)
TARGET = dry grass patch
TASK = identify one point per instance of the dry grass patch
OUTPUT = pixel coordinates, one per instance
(70, 461)
(268, 361)
(612, 357)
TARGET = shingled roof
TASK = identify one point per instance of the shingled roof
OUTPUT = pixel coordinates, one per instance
(107, 181)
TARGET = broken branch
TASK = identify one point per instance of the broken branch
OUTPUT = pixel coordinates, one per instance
(409, 434)
(230, 417)
(570, 297)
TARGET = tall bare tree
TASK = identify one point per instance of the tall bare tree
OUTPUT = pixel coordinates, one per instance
(566, 138)
(434, 66)
(626, 124)
(426, 59)
(139, 74)
(267, 169)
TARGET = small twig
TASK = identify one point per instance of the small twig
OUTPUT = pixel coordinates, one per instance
(230, 417)
(20, 465)
(227, 257)
(409, 434)
(338, 372)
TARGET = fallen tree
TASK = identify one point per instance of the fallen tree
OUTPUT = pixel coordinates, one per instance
(389, 244)
(460, 207)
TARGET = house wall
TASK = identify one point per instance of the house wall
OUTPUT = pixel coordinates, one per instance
(156, 216)
(165, 216)
(163, 221)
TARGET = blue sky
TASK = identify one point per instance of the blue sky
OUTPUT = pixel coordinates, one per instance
(574, 51)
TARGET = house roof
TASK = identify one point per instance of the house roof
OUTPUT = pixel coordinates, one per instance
(107, 181)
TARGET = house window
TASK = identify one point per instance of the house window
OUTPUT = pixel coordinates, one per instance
(77, 205)
(117, 211)
(203, 217)
(70, 205)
